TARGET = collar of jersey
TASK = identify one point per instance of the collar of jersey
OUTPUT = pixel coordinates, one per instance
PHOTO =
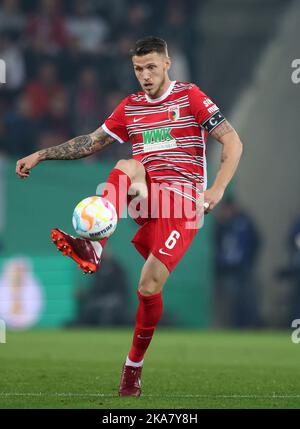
(162, 97)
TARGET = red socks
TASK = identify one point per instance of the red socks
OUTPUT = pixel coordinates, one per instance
(148, 315)
(115, 191)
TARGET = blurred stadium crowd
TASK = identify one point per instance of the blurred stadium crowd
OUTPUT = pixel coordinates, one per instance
(68, 66)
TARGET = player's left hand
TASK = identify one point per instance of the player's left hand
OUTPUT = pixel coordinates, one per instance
(212, 197)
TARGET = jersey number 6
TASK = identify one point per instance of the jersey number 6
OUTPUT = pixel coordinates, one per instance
(172, 240)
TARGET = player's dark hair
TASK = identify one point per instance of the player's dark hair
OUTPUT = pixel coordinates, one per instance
(149, 44)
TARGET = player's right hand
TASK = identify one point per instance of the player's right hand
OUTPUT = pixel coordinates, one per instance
(24, 165)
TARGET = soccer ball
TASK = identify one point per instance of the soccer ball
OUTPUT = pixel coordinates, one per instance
(94, 218)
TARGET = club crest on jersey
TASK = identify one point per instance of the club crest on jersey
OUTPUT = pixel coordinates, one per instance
(173, 113)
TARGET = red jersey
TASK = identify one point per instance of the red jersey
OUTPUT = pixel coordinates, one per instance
(168, 134)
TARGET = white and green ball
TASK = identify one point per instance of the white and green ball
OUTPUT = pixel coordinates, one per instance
(94, 218)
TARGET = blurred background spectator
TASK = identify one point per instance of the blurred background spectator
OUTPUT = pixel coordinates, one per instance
(86, 99)
(294, 256)
(89, 30)
(20, 130)
(47, 25)
(289, 275)
(43, 90)
(106, 300)
(12, 18)
(236, 249)
(14, 60)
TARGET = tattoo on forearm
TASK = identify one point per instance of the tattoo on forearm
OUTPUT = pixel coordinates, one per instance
(79, 147)
(221, 130)
(72, 149)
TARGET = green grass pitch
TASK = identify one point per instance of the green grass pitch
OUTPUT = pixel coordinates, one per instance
(183, 369)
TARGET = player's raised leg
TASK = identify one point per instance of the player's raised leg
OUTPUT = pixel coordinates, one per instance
(87, 254)
(153, 277)
(127, 174)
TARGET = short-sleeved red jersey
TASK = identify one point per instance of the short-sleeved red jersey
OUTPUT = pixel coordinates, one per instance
(168, 134)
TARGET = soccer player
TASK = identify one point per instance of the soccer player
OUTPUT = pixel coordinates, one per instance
(167, 124)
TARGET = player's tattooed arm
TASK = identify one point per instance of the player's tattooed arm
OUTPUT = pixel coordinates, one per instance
(76, 148)
(231, 153)
(79, 147)
(221, 130)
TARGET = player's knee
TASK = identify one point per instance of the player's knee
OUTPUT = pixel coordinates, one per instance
(149, 286)
(131, 167)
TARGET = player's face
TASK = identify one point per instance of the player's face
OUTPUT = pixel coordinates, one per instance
(151, 72)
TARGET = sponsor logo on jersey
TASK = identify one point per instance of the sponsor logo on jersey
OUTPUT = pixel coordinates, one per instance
(173, 112)
(207, 102)
(158, 139)
(213, 109)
